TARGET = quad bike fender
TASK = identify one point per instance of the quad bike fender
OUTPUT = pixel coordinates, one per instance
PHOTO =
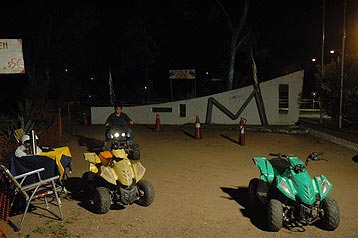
(108, 174)
(295, 161)
(124, 170)
(322, 186)
(138, 170)
(93, 160)
(120, 153)
(129, 170)
(266, 170)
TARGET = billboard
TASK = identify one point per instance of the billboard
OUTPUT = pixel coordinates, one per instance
(11, 57)
(182, 74)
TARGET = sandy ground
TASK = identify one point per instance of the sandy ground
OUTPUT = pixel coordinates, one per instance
(200, 185)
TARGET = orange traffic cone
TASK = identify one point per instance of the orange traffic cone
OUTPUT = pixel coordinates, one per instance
(84, 121)
(197, 129)
(157, 123)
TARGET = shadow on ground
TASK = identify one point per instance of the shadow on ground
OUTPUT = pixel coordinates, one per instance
(152, 128)
(355, 158)
(91, 143)
(77, 191)
(230, 139)
(188, 134)
(255, 214)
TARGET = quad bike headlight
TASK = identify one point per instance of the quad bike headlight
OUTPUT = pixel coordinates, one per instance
(128, 134)
(116, 134)
(123, 134)
(285, 187)
(325, 186)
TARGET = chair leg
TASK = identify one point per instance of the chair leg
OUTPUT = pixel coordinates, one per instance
(28, 202)
(59, 205)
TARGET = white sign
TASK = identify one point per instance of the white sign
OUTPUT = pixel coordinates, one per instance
(182, 74)
(11, 57)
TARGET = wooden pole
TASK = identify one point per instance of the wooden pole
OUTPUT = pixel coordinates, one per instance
(59, 124)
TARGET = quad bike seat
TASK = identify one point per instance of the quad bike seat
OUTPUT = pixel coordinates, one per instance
(280, 164)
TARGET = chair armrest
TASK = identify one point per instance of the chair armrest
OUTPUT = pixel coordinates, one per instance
(29, 173)
(42, 182)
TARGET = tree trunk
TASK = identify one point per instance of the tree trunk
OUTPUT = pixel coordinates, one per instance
(230, 79)
(234, 44)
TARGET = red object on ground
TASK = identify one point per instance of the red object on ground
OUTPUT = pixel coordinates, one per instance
(157, 123)
(242, 131)
(197, 129)
(84, 121)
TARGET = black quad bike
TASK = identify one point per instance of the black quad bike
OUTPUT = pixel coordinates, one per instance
(121, 137)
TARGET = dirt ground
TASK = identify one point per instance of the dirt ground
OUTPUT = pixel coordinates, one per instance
(201, 186)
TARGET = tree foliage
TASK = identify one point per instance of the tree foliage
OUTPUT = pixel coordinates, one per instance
(51, 35)
(328, 87)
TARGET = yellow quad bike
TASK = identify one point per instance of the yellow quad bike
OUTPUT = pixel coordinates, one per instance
(114, 179)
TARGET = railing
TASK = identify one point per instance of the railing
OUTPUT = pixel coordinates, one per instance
(309, 107)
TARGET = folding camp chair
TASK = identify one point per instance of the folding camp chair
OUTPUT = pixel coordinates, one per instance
(32, 162)
(41, 188)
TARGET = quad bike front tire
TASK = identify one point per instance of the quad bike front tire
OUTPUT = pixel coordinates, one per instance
(136, 152)
(274, 215)
(90, 183)
(253, 199)
(102, 200)
(146, 193)
(331, 216)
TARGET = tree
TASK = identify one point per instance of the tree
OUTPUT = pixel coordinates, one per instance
(50, 35)
(235, 40)
(137, 52)
(328, 87)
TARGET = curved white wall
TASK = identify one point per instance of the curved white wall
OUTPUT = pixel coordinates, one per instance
(232, 100)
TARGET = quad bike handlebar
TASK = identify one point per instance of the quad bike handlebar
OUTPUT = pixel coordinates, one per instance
(279, 155)
(124, 124)
(314, 157)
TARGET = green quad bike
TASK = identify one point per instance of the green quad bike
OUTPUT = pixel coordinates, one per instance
(291, 197)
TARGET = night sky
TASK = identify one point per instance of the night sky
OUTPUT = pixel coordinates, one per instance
(140, 41)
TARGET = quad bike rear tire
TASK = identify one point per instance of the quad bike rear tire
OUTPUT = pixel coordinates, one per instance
(253, 199)
(274, 215)
(146, 193)
(331, 217)
(102, 200)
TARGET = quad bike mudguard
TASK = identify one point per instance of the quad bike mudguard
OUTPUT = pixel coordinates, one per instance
(96, 166)
(266, 169)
